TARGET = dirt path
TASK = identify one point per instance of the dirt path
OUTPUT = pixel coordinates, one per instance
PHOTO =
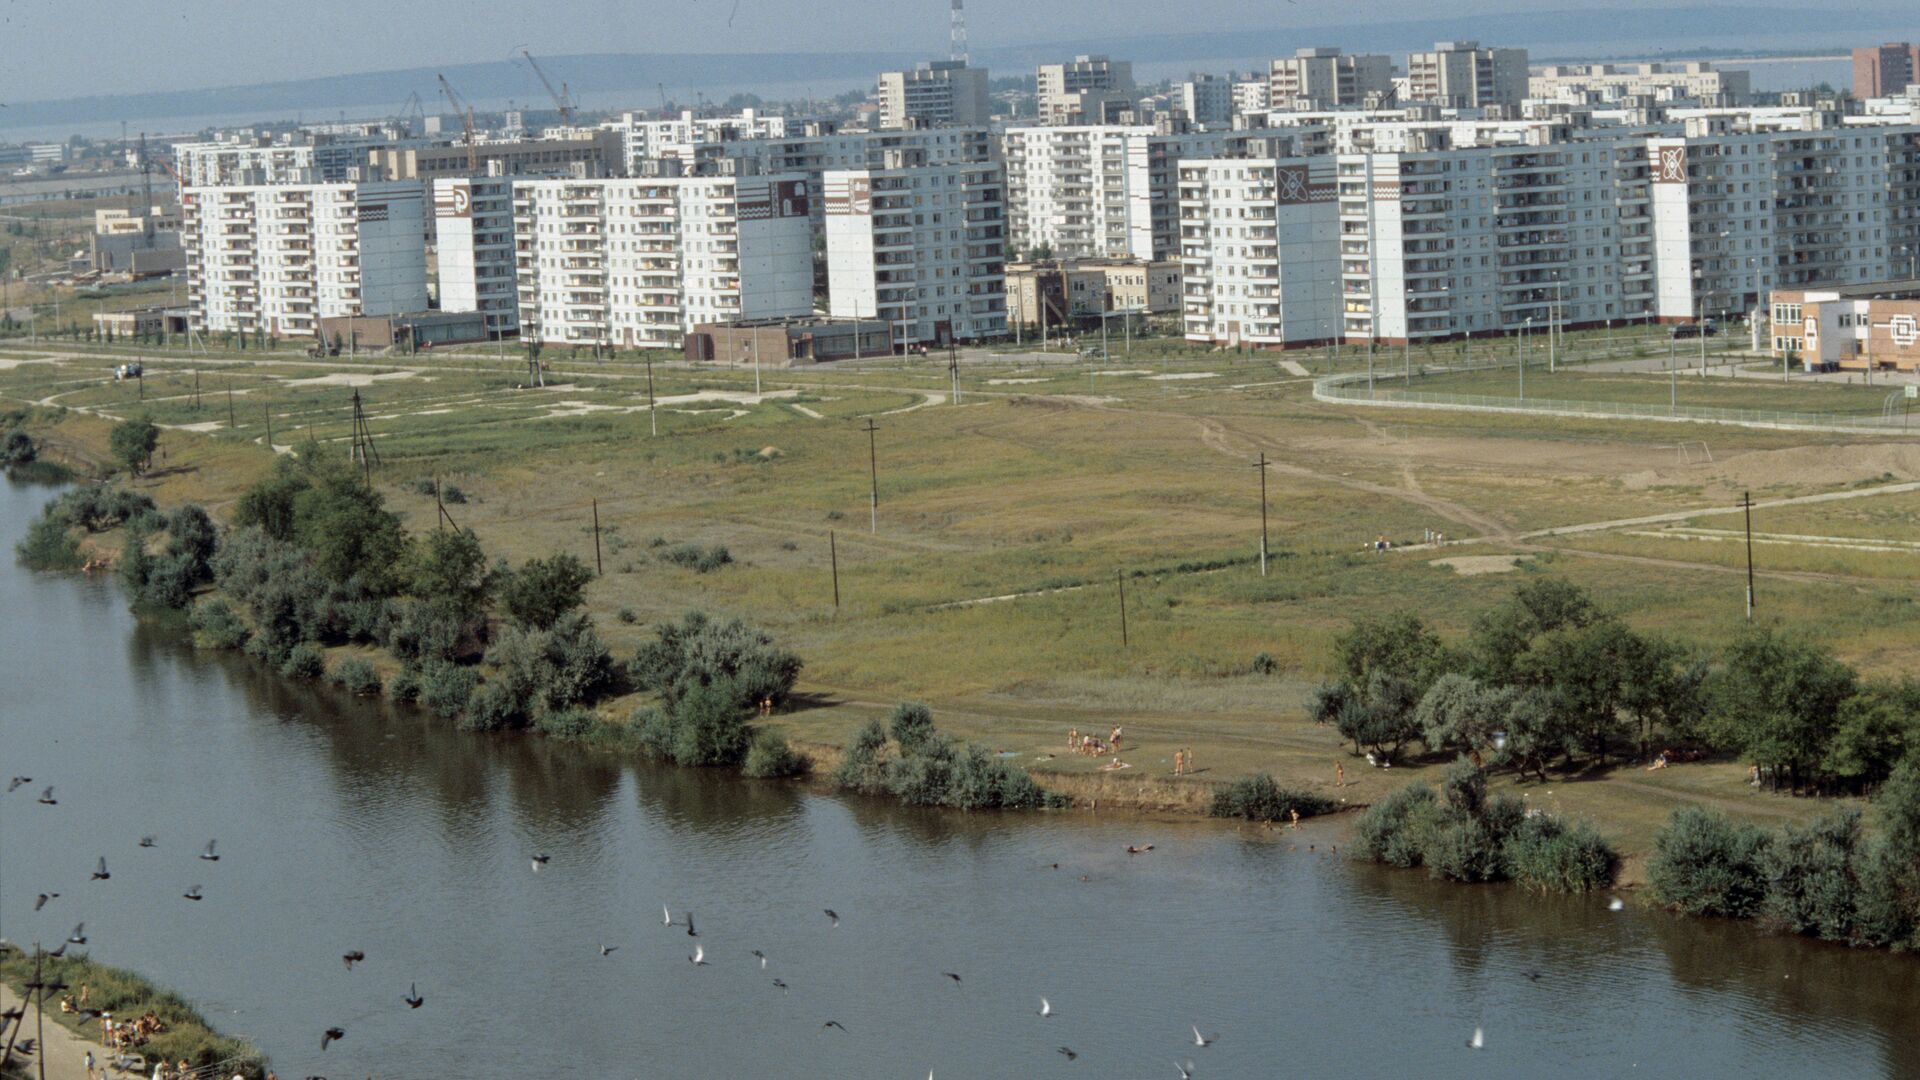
(65, 1051)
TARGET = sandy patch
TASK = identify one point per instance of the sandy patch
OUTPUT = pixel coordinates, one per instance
(1015, 382)
(1127, 371)
(202, 427)
(1292, 367)
(736, 397)
(1470, 565)
(9, 365)
(1814, 466)
(804, 411)
(353, 378)
(1187, 375)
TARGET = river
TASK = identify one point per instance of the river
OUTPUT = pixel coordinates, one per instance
(344, 825)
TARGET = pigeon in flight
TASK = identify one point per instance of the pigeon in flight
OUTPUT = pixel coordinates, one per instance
(413, 998)
(1186, 1071)
(1068, 1053)
(1479, 1040)
(831, 914)
(333, 1034)
(762, 957)
(833, 1024)
(1046, 1007)
(79, 935)
(193, 893)
(606, 950)
(41, 900)
(353, 958)
(17, 781)
(209, 854)
(780, 985)
(46, 797)
(541, 860)
(953, 976)
(691, 932)
(666, 917)
(100, 871)
(699, 957)
(146, 841)
(1616, 904)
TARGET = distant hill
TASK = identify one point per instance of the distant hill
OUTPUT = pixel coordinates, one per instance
(1565, 33)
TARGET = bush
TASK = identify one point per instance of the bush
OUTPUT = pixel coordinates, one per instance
(864, 767)
(1546, 854)
(404, 686)
(911, 726)
(451, 494)
(303, 661)
(697, 652)
(627, 616)
(18, 448)
(1394, 830)
(1813, 885)
(215, 626)
(1259, 798)
(356, 677)
(694, 557)
(570, 725)
(493, 707)
(542, 590)
(709, 727)
(1265, 664)
(445, 687)
(48, 545)
(1704, 863)
(770, 758)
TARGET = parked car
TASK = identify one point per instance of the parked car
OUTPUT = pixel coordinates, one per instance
(1692, 330)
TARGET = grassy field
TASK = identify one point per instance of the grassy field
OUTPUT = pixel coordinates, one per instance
(1716, 390)
(1006, 524)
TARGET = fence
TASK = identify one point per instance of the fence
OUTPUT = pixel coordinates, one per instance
(1350, 389)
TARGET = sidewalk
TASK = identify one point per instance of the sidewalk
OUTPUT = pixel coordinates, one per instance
(65, 1051)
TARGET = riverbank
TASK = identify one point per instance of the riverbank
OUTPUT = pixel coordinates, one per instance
(126, 996)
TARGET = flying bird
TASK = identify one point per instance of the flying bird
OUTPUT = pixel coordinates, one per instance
(79, 935)
(666, 917)
(193, 893)
(1067, 1052)
(699, 956)
(1186, 1071)
(333, 1034)
(209, 854)
(57, 953)
(1479, 1040)
(353, 958)
(541, 860)
(762, 957)
(100, 871)
(954, 977)
(831, 914)
(1532, 976)
(25, 1046)
(833, 1024)
(1046, 1007)
(17, 781)
(607, 949)
(41, 900)
(46, 797)
(1202, 1040)
(146, 841)
(691, 932)
(781, 985)
(413, 998)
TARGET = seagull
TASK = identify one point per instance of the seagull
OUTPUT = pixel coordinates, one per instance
(1202, 1040)
(606, 949)
(831, 914)
(413, 998)
(699, 956)
(1046, 1007)
(781, 984)
(333, 1034)
(1067, 1052)
(762, 957)
(1186, 1071)
(1616, 904)
(146, 841)
(1532, 976)
(17, 781)
(209, 854)
(951, 975)
(194, 894)
(691, 932)
(832, 1024)
(353, 958)
(541, 860)
(79, 935)
(46, 797)
(41, 900)
(100, 872)
(1479, 1040)
(666, 917)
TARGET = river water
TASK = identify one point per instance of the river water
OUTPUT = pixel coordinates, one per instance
(344, 825)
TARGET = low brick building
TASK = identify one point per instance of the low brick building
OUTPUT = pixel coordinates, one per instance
(1849, 327)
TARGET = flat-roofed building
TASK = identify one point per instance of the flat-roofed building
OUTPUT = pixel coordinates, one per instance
(1461, 74)
(1087, 90)
(1872, 325)
(1322, 77)
(938, 93)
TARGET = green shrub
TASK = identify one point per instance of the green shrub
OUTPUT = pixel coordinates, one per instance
(493, 707)
(451, 494)
(864, 768)
(303, 661)
(215, 626)
(1704, 863)
(1259, 798)
(1265, 664)
(356, 676)
(710, 727)
(694, 557)
(1547, 854)
(404, 686)
(18, 448)
(1394, 830)
(911, 726)
(48, 545)
(1461, 848)
(1813, 886)
(698, 651)
(770, 758)
(571, 725)
(627, 616)
(445, 687)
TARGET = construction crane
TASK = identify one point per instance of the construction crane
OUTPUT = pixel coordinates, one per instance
(465, 112)
(410, 115)
(560, 100)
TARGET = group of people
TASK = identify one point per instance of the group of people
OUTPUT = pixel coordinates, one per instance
(1089, 744)
(127, 1034)
(1182, 761)
(1427, 536)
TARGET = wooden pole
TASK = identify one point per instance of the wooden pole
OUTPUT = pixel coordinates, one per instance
(1120, 579)
(39, 1012)
(873, 463)
(833, 553)
(269, 415)
(1263, 512)
(230, 405)
(597, 567)
(1746, 502)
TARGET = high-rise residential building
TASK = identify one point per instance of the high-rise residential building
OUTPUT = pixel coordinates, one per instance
(473, 223)
(639, 261)
(1885, 70)
(919, 246)
(681, 136)
(1207, 99)
(1697, 79)
(938, 93)
(1259, 255)
(1461, 74)
(1251, 96)
(598, 153)
(273, 259)
(259, 160)
(1089, 90)
(1324, 77)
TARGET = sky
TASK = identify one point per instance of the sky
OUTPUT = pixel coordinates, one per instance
(71, 48)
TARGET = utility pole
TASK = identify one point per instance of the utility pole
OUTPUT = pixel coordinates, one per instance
(598, 569)
(1120, 579)
(39, 992)
(1262, 466)
(229, 404)
(268, 413)
(653, 412)
(833, 554)
(873, 464)
(1746, 503)
(1673, 378)
(953, 368)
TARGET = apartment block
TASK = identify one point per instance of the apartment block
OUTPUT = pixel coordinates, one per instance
(1461, 74)
(1251, 96)
(920, 246)
(681, 136)
(1207, 100)
(1885, 70)
(938, 93)
(598, 153)
(1697, 79)
(247, 161)
(1325, 77)
(1089, 90)
(1260, 255)
(1072, 291)
(473, 223)
(1099, 191)
(275, 258)
(638, 262)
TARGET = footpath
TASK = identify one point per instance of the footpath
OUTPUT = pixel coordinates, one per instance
(65, 1050)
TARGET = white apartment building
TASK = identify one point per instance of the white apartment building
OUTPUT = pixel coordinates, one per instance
(637, 262)
(920, 246)
(1100, 191)
(261, 161)
(680, 136)
(273, 258)
(1697, 79)
(1208, 99)
(1089, 90)
(1252, 96)
(1259, 255)
(1325, 77)
(938, 93)
(473, 222)
(1462, 75)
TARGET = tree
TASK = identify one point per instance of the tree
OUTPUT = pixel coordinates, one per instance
(1889, 905)
(1503, 634)
(449, 570)
(348, 530)
(1399, 645)
(542, 590)
(698, 651)
(1536, 731)
(1774, 701)
(1592, 670)
(269, 503)
(1872, 733)
(133, 443)
(912, 726)
(1458, 713)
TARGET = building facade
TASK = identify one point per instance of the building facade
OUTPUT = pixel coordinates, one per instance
(919, 246)
(938, 93)
(1696, 79)
(1207, 100)
(1855, 328)
(1461, 74)
(1323, 77)
(1099, 191)
(473, 227)
(1088, 90)
(1885, 70)
(1260, 251)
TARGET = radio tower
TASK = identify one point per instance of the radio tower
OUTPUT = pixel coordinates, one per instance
(959, 32)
